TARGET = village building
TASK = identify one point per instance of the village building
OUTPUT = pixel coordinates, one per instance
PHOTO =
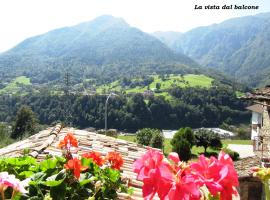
(260, 120)
(256, 120)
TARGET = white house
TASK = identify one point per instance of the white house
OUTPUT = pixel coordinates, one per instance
(256, 119)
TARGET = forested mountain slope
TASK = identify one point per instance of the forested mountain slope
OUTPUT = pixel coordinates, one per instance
(239, 46)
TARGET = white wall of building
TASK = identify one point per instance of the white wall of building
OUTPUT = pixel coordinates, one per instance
(256, 118)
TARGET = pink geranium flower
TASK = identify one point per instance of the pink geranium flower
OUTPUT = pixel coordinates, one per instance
(9, 180)
(184, 187)
(155, 173)
(218, 175)
(3, 184)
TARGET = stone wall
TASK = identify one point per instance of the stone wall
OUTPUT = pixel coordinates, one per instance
(265, 130)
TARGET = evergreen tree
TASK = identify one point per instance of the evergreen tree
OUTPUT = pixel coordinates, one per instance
(25, 123)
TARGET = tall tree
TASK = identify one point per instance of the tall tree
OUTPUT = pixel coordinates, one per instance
(25, 123)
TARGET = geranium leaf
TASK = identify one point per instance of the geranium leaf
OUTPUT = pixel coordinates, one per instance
(58, 192)
(52, 183)
(85, 182)
(26, 174)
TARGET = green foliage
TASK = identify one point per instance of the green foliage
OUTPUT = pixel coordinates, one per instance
(207, 138)
(233, 154)
(144, 136)
(5, 135)
(182, 143)
(239, 47)
(25, 122)
(16, 85)
(141, 84)
(109, 42)
(193, 107)
(157, 140)
(150, 137)
(243, 134)
(184, 133)
(49, 179)
(183, 148)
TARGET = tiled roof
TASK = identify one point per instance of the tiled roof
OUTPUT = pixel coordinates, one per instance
(243, 166)
(258, 94)
(256, 108)
(45, 142)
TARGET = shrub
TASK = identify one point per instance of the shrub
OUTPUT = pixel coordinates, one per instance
(243, 134)
(184, 133)
(144, 136)
(182, 142)
(157, 140)
(183, 148)
(150, 137)
(233, 154)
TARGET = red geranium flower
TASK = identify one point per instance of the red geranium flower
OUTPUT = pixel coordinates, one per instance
(75, 165)
(115, 159)
(96, 157)
(68, 141)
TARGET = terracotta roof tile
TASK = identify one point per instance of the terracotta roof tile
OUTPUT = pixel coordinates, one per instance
(45, 142)
(256, 108)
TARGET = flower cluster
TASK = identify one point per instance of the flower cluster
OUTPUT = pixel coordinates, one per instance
(96, 157)
(264, 175)
(172, 179)
(70, 176)
(9, 180)
(114, 159)
(68, 141)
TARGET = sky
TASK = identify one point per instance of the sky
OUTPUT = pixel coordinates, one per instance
(20, 19)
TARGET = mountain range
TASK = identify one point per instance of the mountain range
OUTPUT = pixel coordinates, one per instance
(107, 48)
(240, 47)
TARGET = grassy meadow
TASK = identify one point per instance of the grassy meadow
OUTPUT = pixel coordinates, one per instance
(195, 150)
(189, 80)
(14, 86)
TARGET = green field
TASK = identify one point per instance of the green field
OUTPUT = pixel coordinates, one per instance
(195, 150)
(14, 86)
(189, 80)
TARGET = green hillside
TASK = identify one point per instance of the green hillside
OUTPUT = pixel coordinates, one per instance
(15, 85)
(106, 49)
(238, 46)
(166, 82)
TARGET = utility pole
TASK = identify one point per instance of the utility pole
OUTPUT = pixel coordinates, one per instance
(67, 99)
(106, 108)
(67, 83)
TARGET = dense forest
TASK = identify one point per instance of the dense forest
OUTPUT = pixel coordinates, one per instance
(193, 107)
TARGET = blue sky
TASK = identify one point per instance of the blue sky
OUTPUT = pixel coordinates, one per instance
(20, 19)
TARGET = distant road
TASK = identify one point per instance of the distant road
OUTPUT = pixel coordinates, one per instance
(243, 150)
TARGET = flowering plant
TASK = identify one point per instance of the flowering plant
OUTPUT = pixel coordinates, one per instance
(264, 175)
(7, 180)
(171, 179)
(87, 176)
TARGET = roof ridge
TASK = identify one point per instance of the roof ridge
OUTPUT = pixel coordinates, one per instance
(53, 134)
